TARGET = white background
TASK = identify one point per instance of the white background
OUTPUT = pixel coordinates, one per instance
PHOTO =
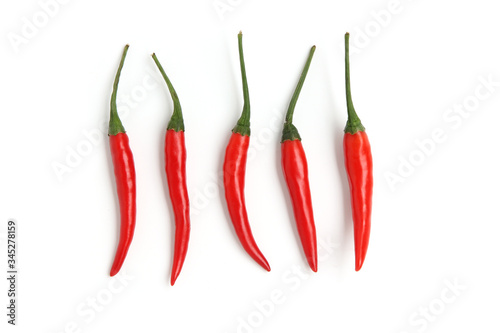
(436, 226)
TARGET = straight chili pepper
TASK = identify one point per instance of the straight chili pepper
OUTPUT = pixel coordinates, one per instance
(124, 170)
(175, 168)
(234, 173)
(294, 164)
(359, 167)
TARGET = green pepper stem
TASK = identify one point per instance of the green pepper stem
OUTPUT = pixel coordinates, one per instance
(290, 132)
(243, 124)
(176, 121)
(115, 124)
(353, 122)
(295, 96)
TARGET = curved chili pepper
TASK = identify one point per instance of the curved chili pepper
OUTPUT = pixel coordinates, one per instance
(359, 167)
(294, 163)
(124, 169)
(175, 168)
(234, 173)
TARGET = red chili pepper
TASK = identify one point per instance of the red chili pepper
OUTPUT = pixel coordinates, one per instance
(234, 173)
(359, 167)
(123, 162)
(294, 163)
(175, 168)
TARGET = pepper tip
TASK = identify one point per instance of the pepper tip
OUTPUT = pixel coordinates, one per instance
(174, 276)
(359, 264)
(313, 263)
(264, 264)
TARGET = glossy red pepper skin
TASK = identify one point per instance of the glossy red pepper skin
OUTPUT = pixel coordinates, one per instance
(235, 161)
(359, 168)
(124, 170)
(234, 185)
(294, 164)
(175, 168)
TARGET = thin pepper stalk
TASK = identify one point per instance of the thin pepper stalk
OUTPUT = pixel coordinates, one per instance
(294, 164)
(175, 169)
(234, 173)
(359, 167)
(124, 170)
